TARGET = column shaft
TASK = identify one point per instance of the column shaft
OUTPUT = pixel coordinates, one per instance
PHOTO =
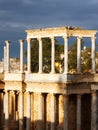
(20, 111)
(78, 54)
(93, 55)
(65, 54)
(32, 111)
(29, 55)
(28, 112)
(6, 108)
(40, 55)
(8, 56)
(52, 118)
(5, 59)
(21, 55)
(65, 112)
(61, 109)
(40, 112)
(53, 55)
(78, 112)
(94, 114)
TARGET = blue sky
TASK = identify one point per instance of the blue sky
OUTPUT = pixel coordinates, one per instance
(18, 15)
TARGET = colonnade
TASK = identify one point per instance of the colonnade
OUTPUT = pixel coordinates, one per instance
(7, 55)
(16, 109)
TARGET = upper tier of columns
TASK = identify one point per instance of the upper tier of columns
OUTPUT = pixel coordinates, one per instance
(7, 55)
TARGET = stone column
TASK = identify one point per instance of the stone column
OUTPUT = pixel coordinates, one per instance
(78, 54)
(94, 114)
(29, 55)
(6, 109)
(32, 111)
(20, 109)
(78, 112)
(21, 55)
(4, 60)
(28, 111)
(93, 55)
(1, 109)
(7, 56)
(52, 114)
(65, 112)
(40, 111)
(40, 55)
(53, 55)
(61, 109)
(65, 54)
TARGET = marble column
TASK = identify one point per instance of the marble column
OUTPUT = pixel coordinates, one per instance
(20, 109)
(65, 54)
(21, 55)
(93, 54)
(6, 108)
(94, 113)
(12, 111)
(40, 111)
(65, 112)
(40, 55)
(4, 59)
(52, 55)
(61, 109)
(28, 111)
(1, 109)
(32, 111)
(7, 56)
(52, 112)
(29, 55)
(78, 112)
(78, 54)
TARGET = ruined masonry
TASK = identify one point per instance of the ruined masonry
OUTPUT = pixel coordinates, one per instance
(49, 101)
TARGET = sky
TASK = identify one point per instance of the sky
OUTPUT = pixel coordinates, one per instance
(16, 16)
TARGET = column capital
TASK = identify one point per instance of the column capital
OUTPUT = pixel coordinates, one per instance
(39, 39)
(7, 41)
(79, 96)
(52, 37)
(21, 41)
(94, 38)
(65, 37)
(29, 40)
(79, 37)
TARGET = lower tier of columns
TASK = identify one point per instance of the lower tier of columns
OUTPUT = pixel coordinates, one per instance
(45, 111)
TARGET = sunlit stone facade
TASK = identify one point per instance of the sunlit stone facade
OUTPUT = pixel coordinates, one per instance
(49, 101)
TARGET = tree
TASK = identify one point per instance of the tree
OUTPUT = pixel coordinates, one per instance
(46, 42)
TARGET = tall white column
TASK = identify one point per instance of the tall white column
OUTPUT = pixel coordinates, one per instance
(78, 112)
(66, 112)
(40, 55)
(78, 54)
(21, 55)
(28, 111)
(52, 114)
(4, 59)
(7, 56)
(40, 111)
(6, 108)
(93, 54)
(94, 110)
(29, 55)
(20, 111)
(52, 55)
(65, 54)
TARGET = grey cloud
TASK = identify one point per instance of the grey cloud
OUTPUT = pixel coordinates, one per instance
(19, 15)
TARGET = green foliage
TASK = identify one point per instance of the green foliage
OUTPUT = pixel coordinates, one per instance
(86, 60)
(46, 42)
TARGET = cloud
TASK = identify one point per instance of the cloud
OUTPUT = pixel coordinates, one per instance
(27, 14)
